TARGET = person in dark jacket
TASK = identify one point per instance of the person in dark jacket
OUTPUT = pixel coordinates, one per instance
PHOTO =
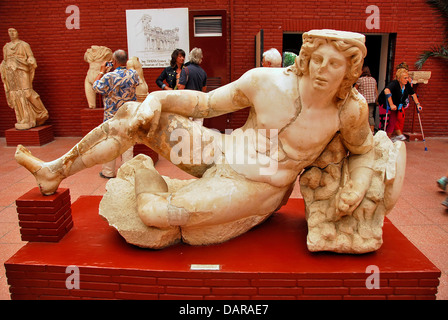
(169, 78)
(193, 77)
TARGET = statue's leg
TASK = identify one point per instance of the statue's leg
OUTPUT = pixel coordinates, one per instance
(188, 145)
(90, 94)
(104, 143)
(219, 206)
(40, 113)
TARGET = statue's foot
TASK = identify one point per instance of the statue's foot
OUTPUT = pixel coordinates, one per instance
(24, 126)
(47, 180)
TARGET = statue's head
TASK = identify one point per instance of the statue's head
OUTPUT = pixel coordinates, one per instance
(134, 63)
(13, 34)
(348, 45)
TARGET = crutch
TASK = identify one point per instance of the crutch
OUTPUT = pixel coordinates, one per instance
(387, 111)
(421, 128)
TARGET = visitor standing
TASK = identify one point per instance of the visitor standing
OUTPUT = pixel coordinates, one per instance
(272, 59)
(169, 77)
(367, 86)
(193, 77)
(393, 99)
(117, 85)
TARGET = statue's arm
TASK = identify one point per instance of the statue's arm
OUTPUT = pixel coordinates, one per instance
(30, 57)
(189, 103)
(4, 78)
(358, 139)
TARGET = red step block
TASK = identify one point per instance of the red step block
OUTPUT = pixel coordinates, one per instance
(37, 136)
(44, 218)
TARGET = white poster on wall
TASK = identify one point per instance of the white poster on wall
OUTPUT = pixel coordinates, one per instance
(153, 34)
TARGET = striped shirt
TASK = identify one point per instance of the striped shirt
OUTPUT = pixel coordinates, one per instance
(117, 87)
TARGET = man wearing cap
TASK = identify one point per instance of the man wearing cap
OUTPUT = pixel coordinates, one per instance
(295, 113)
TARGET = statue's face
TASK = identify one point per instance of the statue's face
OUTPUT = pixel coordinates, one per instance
(13, 34)
(327, 68)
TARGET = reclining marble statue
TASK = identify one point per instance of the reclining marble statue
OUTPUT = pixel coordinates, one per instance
(17, 71)
(305, 120)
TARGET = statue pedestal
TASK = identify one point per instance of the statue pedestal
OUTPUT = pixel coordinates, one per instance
(270, 261)
(36, 136)
(44, 218)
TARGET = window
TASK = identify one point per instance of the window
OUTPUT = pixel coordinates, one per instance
(208, 26)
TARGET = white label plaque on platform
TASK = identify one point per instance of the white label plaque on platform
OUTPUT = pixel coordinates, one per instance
(205, 267)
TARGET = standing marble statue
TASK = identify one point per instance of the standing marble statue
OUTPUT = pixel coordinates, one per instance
(17, 71)
(142, 89)
(95, 56)
(302, 117)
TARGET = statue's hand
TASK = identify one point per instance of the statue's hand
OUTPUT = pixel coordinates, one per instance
(32, 62)
(348, 199)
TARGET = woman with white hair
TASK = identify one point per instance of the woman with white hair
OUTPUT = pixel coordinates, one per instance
(193, 77)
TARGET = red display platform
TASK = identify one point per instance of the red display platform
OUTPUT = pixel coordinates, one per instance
(37, 136)
(270, 261)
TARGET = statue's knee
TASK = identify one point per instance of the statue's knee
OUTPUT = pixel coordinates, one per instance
(152, 210)
(126, 110)
(149, 181)
(156, 211)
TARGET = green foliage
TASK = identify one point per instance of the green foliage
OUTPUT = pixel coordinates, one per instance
(440, 51)
(288, 58)
(435, 52)
(441, 5)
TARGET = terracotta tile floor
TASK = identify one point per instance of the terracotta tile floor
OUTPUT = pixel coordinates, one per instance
(418, 213)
